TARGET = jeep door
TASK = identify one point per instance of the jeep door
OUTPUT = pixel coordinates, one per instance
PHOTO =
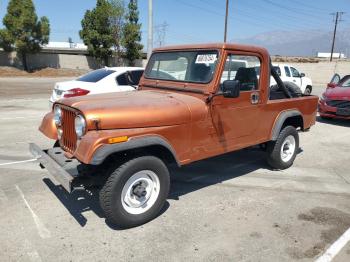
(236, 119)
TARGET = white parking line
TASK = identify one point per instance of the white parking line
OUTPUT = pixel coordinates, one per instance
(13, 117)
(18, 162)
(34, 256)
(16, 118)
(42, 230)
(31, 252)
(334, 249)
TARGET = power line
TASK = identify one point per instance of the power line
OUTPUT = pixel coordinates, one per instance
(306, 5)
(242, 19)
(281, 21)
(306, 17)
(296, 16)
(293, 9)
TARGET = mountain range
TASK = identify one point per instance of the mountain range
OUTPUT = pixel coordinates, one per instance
(300, 43)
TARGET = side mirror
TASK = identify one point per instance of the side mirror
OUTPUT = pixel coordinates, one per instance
(231, 88)
(302, 74)
(331, 85)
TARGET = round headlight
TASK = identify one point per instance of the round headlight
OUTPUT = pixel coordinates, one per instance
(57, 115)
(80, 125)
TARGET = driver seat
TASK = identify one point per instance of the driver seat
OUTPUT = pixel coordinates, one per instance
(248, 78)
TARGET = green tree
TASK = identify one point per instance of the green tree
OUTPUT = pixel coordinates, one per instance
(132, 34)
(97, 32)
(117, 23)
(23, 32)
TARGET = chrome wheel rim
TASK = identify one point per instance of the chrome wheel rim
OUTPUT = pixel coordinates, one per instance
(288, 148)
(140, 192)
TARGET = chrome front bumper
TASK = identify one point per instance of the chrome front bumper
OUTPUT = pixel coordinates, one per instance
(57, 165)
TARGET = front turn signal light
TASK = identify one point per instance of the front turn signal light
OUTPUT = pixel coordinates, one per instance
(118, 139)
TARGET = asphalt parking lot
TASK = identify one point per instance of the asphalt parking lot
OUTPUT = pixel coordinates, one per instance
(228, 208)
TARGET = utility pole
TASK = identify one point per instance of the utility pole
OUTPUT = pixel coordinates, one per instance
(150, 29)
(337, 19)
(226, 16)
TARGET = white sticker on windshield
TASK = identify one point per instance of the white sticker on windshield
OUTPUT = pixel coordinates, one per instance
(206, 59)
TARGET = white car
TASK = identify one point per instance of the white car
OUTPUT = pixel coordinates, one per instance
(105, 80)
(291, 74)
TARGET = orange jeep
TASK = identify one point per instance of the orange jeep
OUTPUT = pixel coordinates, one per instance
(194, 102)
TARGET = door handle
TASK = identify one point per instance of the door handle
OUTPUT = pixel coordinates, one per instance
(254, 98)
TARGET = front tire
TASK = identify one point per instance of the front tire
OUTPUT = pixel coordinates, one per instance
(282, 152)
(56, 144)
(135, 192)
(308, 90)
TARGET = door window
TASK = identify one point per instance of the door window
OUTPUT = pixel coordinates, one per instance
(278, 70)
(96, 75)
(345, 81)
(136, 76)
(286, 70)
(244, 68)
(295, 73)
(122, 80)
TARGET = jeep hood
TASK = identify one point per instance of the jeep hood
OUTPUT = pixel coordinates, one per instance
(137, 109)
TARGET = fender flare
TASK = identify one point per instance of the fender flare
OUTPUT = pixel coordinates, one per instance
(282, 117)
(107, 149)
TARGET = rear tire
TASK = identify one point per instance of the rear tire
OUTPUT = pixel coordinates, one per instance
(282, 152)
(135, 192)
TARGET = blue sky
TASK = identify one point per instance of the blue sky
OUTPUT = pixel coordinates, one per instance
(202, 20)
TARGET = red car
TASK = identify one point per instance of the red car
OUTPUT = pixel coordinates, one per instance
(335, 101)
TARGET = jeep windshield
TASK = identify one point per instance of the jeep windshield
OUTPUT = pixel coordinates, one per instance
(184, 66)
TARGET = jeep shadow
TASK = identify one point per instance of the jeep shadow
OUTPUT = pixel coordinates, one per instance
(184, 181)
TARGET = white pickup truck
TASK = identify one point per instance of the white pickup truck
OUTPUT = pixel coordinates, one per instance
(290, 74)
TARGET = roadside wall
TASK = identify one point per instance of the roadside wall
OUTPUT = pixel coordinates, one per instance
(57, 60)
(322, 72)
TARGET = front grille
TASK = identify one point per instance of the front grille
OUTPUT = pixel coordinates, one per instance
(69, 138)
(339, 103)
